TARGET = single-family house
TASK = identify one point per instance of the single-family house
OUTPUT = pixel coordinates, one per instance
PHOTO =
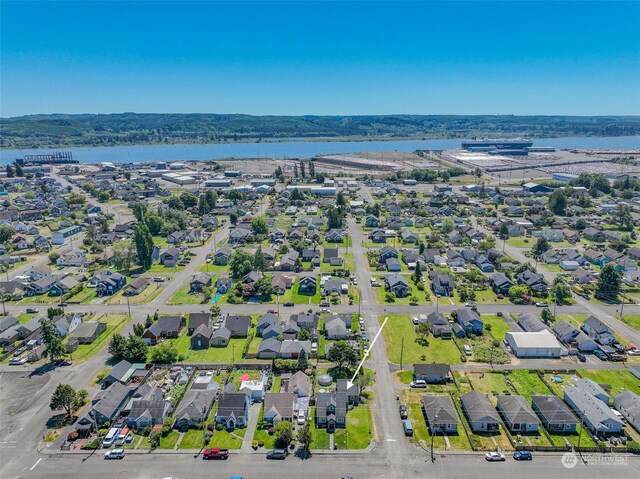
(233, 410)
(480, 412)
(517, 414)
(432, 373)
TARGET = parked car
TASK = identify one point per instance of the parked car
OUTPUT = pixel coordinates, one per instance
(63, 305)
(18, 352)
(408, 427)
(634, 352)
(494, 456)
(415, 320)
(403, 411)
(114, 454)
(418, 383)
(272, 311)
(32, 310)
(277, 454)
(523, 456)
(542, 304)
(301, 417)
(287, 304)
(215, 453)
(17, 361)
(581, 357)
(499, 313)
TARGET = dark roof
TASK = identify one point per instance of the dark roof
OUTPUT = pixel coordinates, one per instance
(479, 408)
(196, 319)
(553, 410)
(516, 410)
(232, 403)
(169, 323)
(432, 368)
(440, 405)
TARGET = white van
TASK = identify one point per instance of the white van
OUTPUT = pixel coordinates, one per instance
(467, 350)
(110, 437)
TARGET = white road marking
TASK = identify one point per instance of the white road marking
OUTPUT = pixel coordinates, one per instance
(391, 440)
(34, 466)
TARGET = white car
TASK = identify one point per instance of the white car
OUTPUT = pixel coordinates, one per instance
(114, 454)
(418, 383)
(325, 310)
(634, 352)
(18, 361)
(542, 304)
(415, 320)
(301, 417)
(494, 456)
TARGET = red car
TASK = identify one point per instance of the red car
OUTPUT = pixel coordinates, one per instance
(272, 311)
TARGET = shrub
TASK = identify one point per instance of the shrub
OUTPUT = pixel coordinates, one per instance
(260, 443)
(211, 426)
(219, 427)
(254, 445)
(72, 436)
(271, 431)
(95, 444)
(166, 429)
(207, 437)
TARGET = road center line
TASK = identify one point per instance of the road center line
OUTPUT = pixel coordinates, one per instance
(34, 466)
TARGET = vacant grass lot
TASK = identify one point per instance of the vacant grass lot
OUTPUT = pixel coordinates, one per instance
(399, 327)
(182, 296)
(499, 326)
(527, 383)
(632, 320)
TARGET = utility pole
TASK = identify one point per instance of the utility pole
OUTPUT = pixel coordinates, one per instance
(434, 431)
(128, 305)
(401, 352)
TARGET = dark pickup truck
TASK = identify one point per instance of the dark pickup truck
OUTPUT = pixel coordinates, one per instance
(215, 453)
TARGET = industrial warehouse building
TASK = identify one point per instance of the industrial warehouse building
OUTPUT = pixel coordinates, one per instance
(541, 344)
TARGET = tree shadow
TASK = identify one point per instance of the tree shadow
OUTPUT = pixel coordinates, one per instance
(60, 420)
(42, 370)
(303, 453)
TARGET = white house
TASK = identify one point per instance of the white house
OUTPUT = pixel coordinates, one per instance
(541, 344)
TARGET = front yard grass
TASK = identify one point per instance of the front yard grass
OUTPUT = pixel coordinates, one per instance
(192, 439)
(400, 326)
(226, 440)
(632, 320)
(170, 440)
(300, 298)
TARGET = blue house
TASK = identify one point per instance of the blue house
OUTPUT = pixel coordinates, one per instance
(469, 320)
(484, 264)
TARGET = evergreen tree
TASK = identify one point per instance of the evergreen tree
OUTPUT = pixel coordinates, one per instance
(212, 199)
(312, 169)
(340, 199)
(233, 218)
(10, 173)
(302, 169)
(609, 283)
(144, 245)
(259, 261)
(540, 247)
(558, 202)
(19, 171)
(295, 170)
(203, 206)
(417, 274)
(303, 363)
(54, 349)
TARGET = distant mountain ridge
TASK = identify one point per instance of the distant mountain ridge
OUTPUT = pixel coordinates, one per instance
(63, 130)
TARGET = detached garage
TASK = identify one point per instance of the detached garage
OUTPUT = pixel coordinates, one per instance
(542, 344)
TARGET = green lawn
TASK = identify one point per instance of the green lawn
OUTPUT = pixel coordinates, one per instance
(192, 439)
(182, 296)
(159, 268)
(632, 320)
(400, 326)
(381, 293)
(359, 427)
(528, 383)
(213, 268)
(520, 242)
(555, 268)
(487, 296)
(115, 322)
(486, 383)
(499, 326)
(169, 441)
(85, 296)
(226, 440)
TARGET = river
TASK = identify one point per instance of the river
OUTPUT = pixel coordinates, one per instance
(293, 149)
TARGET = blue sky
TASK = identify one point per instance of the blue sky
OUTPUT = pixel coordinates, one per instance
(320, 58)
